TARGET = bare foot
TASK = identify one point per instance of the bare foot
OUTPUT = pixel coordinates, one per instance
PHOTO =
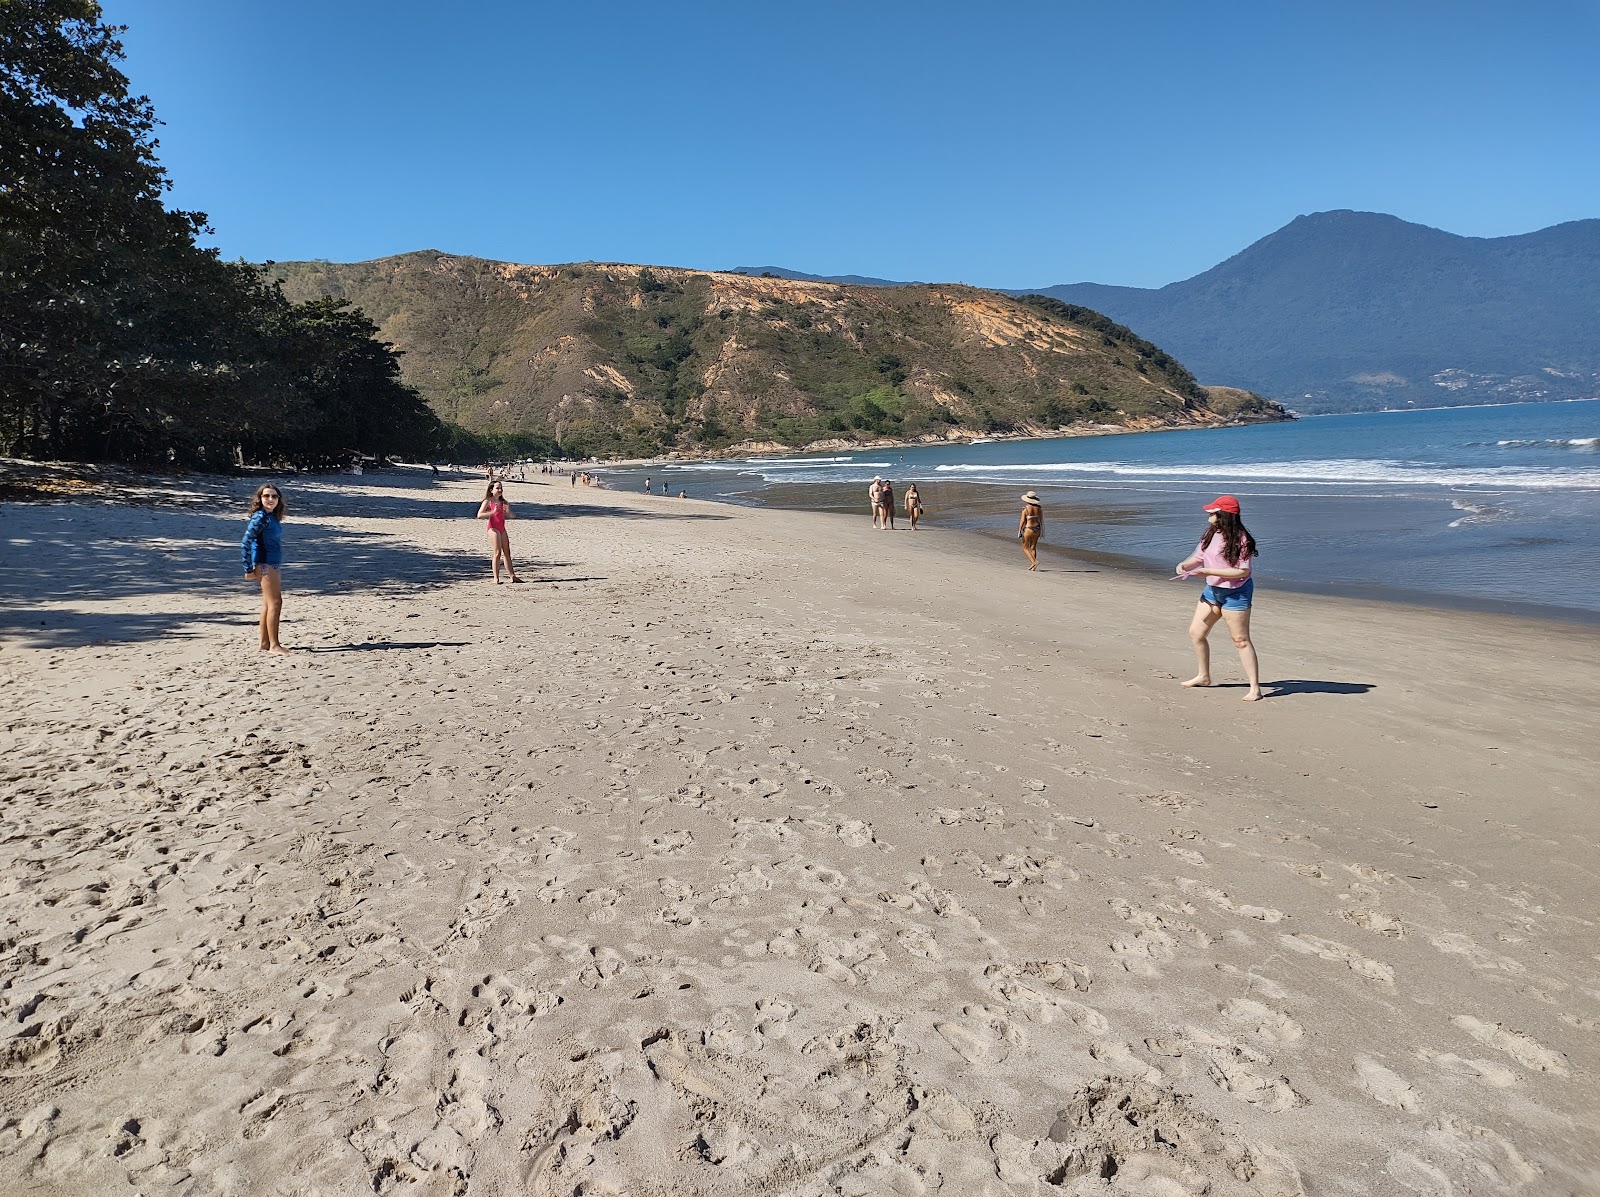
(1253, 696)
(1199, 682)
(278, 650)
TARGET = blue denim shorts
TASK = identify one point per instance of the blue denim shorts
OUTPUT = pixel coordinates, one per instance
(1236, 598)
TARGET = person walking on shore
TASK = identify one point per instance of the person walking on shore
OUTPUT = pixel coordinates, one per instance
(1030, 526)
(497, 511)
(1223, 555)
(872, 498)
(913, 505)
(886, 504)
(262, 550)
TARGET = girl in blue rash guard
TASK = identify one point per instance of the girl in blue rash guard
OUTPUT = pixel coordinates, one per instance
(262, 550)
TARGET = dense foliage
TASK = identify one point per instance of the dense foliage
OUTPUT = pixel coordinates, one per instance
(122, 339)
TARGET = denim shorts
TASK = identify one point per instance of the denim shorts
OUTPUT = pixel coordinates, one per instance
(1235, 598)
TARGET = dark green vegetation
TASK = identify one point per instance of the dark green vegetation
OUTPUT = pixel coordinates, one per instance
(1349, 311)
(120, 338)
(610, 359)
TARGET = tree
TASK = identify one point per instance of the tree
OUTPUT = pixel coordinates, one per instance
(338, 389)
(120, 338)
(91, 263)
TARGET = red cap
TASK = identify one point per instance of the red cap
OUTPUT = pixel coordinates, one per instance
(1224, 503)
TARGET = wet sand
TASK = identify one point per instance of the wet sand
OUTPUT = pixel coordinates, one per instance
(751, 851)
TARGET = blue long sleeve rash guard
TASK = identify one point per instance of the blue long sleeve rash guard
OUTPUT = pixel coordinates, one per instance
(262, 543)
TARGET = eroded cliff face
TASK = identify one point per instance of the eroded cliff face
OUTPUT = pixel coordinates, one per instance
(624, 358)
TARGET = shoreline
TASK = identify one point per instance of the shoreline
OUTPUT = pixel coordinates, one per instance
(747, 851)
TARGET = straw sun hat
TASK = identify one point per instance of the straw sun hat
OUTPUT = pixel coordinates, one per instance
(1030, 497)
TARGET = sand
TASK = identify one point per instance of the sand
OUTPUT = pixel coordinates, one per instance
(760, 852)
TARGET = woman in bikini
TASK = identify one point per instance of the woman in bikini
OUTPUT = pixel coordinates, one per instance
(262, 549)
(497, 511)
(1030, 527)
(1224, 555)
(913, 505)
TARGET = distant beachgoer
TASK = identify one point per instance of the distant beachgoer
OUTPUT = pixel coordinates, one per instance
(1030, 527)
(683, 494)
(574, 481)
(913, 505)
(647, 484)
(886, 503)
(872, 499)
(497, 511)
(1224, 555)
(262, 550)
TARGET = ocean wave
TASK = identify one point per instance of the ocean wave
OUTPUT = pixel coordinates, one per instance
(795, 470)
(1332, 472)
(1477, 513)
(1570, 442)
(795, 460)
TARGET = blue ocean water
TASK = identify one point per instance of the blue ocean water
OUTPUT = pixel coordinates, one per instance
(1491, 507)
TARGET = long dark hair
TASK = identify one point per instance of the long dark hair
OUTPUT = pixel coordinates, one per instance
(488, 491)
(277, 513)
(1237, 542)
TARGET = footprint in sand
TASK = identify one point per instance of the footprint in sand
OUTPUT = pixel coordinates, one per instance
(773, 1018)
(1222, 901)
(1262, 1021)
(1327, 949)
(1232, 1072)
(1384, 1086)
(1038, 1001)
(1119, 1058)
(1521, 1048)
(1485, 1072)
(983, 1036)
(1373, 920)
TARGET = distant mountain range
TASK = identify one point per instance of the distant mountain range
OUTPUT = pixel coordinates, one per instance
(641, 360)
(1352, 311)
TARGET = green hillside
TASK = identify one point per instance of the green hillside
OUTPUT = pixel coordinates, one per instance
(641, 360)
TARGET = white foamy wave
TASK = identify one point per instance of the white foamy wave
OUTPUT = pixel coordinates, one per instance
(1332, 472)
(795, 460)
(796, 469)
(1477, 513)
(1570, 442)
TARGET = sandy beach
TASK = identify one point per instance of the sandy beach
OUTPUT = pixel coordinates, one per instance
(758, 852)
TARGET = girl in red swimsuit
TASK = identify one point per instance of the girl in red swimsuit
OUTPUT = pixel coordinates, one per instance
(497, 511)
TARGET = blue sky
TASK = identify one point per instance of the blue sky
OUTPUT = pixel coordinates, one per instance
(1007, 144)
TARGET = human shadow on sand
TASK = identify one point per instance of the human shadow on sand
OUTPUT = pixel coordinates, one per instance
(1304, 686)
(369, 646)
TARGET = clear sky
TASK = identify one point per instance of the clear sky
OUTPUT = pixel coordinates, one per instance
(1011, 144)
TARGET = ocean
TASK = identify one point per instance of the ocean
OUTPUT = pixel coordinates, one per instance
(1490, 508)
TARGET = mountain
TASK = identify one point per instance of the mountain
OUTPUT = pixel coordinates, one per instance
(1346, 311)
(854, 280)
(641, 360)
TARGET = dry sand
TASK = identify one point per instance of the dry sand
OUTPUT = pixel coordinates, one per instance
(760, 852)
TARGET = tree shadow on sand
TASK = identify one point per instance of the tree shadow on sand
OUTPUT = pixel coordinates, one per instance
(44, 559)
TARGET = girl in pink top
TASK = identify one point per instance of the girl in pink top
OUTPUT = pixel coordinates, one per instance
(1224, 555)
(497, 511)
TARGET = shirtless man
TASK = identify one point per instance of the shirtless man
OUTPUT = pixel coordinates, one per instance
(872, 499)
(1030, 527)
